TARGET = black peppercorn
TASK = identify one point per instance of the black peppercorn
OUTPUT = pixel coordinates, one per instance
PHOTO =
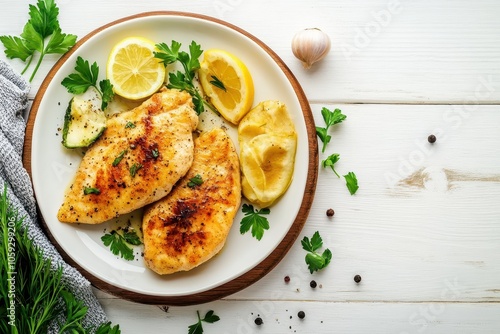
(258, 321)
(431, 139)
(330, 212)
(287, 279)
(313, 284)
(357, 278)
(301, 314)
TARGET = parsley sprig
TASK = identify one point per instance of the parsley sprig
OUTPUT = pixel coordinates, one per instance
(330, 162)
(330, 118)
(197, 328)
(253, 220)
(41, 34)
(183, 80)
(85, 77)
(120, 244)
(316, 261)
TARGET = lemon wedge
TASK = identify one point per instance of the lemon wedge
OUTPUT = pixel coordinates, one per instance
(268, 143)
(133, 70)
(225, 79)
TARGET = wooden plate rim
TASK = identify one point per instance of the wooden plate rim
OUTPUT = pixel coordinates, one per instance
(265, 266)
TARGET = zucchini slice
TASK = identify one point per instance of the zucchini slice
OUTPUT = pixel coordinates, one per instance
(84, 120)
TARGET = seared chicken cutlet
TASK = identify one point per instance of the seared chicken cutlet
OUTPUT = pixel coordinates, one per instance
(190, 225)
(136, 161)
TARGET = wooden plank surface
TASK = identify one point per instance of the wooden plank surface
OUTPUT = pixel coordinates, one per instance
(423, 231)
(383, 51)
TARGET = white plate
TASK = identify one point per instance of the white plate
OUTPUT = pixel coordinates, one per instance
(53, 166)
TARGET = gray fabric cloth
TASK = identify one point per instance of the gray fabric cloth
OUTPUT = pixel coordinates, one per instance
(13, 101)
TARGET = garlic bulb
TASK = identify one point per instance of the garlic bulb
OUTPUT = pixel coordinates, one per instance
(310, 45)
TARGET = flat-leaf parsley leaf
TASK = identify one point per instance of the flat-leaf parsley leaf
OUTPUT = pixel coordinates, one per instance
(41, 33)
(351, 182)
(85, 77)
(120, 244)
(330, 162)
(190, 63)
(330, 118)
(314, 260)
(254, 220)
(195, 181)
(197, 328)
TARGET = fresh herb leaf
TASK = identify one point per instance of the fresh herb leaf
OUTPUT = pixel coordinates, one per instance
(85, 77)
(120, 244)
(217, 83)
(254, 220)
(190, 63)
(119, 158)
(91, 190)
(351, 182)
(197, 328)
(75, 313)
(39, 287)
(330, 162)
(132, 238)
(211, 317)
(129, 125)
(314, 260)
(41, 34)
(134, 168)
(195, 181)
(330, 118)
(106, 328)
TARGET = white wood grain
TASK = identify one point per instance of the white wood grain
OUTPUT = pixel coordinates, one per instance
(423, 230)
(383, 51)
(320, 317)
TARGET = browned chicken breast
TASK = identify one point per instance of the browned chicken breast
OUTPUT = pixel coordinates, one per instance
(137, 160)
(191, 224)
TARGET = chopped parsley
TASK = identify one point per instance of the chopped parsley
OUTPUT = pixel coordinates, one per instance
(91, 190)
(134, 168)
(195, 181)
(119, 158)
(129, 125)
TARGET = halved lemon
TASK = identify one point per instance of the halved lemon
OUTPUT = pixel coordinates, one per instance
(133, 70)
(268, 142)
(225, 79)
(267, 163)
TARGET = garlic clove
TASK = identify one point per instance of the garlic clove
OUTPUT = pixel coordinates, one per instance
(310, 45)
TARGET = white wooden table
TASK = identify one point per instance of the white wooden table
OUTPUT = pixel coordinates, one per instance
(423, 230)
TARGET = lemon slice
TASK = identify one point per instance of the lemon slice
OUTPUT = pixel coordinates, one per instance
(268, 142)
(133, 70)
(227, 82)
(267, 163)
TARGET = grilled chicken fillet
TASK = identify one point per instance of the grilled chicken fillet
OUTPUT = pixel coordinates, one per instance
(136, 161)
(190, 225)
